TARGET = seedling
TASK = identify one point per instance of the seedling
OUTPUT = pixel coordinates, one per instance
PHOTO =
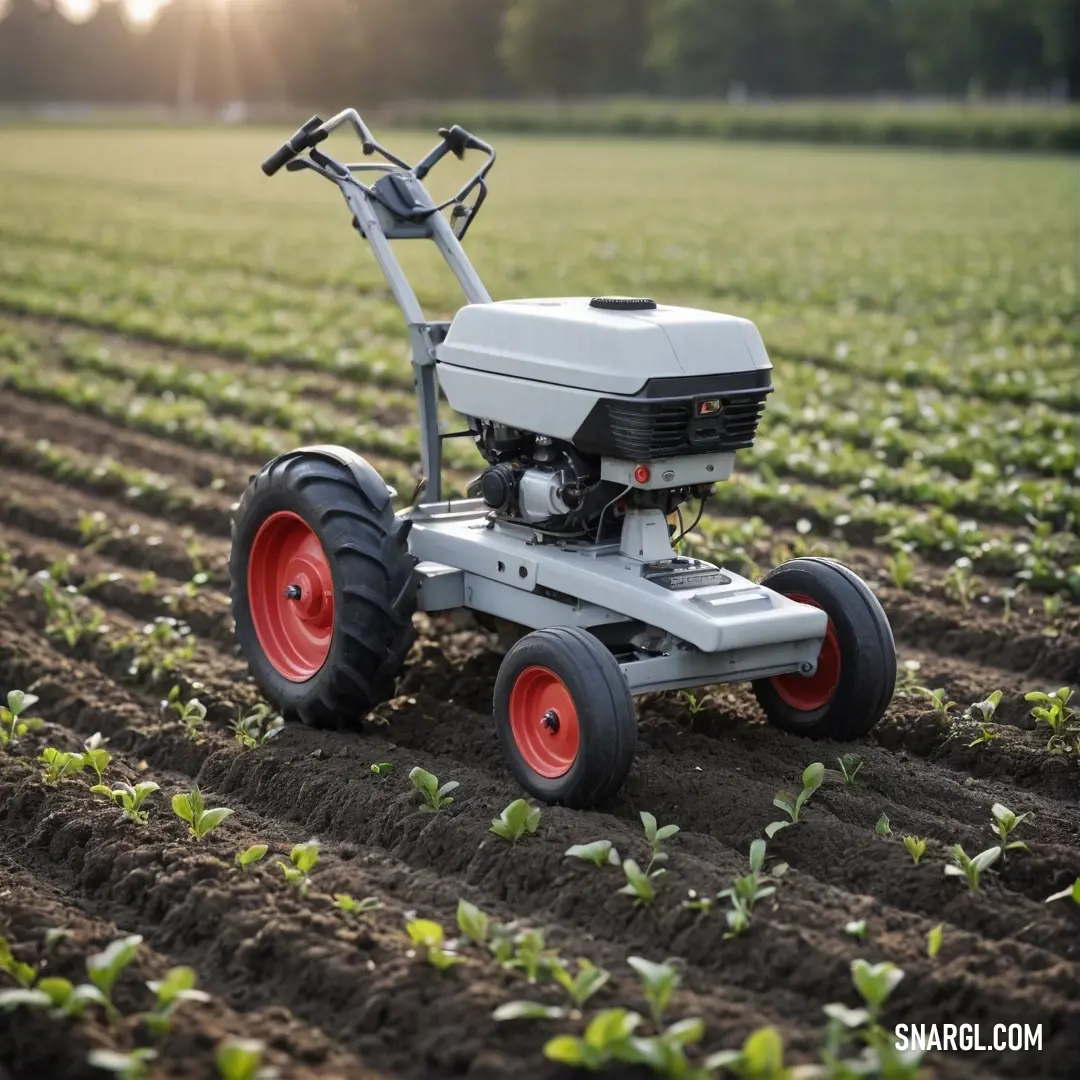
(1053, 711)
(528, 1010)
(22, 973)
(694, 702)
(599, 853)
(606, 1039)
(582, 985)
(351, 906)
(502, 943)
(256, 727)
(105, 967)
(427, 935)
(812, 777)
(530, 954)
(656, 835)
(191, 714)
(933, 940)
(901, 567)
(915, 847)
(658, 983)
(382, 768)
(906, 676)
(95, 756)
(639, 884)
(129, 1065)
(761, 1057)
(250, 856)
(1005, 823)
(748, 890)
(665, 1052)
(938, 700)
(1072, 892)
(850, 764)
(57, 996)
(59, 764)
(13, 724)
(983, 711)
(129, 798)
(882, 828)
(515, 821)
(192, 809)
(302, 860)
(240, 1059)
(177, 986)
(435, 797)
(971, 869)
(473, 923)
(985, 737)
(696, 902)
(960, 582)
(856, 928)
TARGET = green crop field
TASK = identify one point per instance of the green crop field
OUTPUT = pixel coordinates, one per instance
(170, 319)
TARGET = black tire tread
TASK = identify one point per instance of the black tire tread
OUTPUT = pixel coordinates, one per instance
(862, 697)
(375, 588)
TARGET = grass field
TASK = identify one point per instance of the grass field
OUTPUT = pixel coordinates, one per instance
(170, 319)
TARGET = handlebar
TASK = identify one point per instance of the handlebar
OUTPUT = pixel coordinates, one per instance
(455, 140)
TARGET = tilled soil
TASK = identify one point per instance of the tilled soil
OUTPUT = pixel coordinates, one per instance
(344, 996)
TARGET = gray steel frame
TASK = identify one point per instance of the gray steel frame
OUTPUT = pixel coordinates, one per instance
(665, 639)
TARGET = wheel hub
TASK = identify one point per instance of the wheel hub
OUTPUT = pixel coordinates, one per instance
(808, 691)
(291, 596)
(544, 722)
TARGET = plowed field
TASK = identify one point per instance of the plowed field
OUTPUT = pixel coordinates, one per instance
(169, 320)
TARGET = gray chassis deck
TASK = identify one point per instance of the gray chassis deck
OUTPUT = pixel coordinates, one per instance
(728, 632)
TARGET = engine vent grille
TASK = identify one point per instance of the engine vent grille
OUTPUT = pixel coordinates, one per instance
(643, 430)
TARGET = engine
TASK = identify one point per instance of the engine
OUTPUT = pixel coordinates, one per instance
(585, 407)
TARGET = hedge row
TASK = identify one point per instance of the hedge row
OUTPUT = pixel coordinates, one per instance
(1050, 128)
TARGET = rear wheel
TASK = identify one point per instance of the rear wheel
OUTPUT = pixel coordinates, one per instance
(565, 717)
(322, 588)
(856, 671)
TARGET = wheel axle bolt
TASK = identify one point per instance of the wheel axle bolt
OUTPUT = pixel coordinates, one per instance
(806, 669)
(292, 592)
(550, 720)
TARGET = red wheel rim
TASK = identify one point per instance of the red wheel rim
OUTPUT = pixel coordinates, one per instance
(291, 596)
(544, 722)
(806, 693)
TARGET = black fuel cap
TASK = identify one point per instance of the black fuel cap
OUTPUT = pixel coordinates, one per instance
(623, 303)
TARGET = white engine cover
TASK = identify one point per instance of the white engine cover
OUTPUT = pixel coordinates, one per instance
(566, 342)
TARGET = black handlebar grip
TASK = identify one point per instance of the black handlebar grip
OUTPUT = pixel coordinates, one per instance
(302, 140)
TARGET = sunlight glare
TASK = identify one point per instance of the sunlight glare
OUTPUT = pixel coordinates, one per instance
(143, 12)
(78, 11)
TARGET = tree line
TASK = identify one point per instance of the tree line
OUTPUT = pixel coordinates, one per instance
(326, 52)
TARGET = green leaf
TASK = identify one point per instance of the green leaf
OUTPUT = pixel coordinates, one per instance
(933, 940)
(648, 821)
(211, 819)
(425, 932)
(251, 855)
(527, 1010)
(182, 808)
(875, 982)
(812, 776)
(774, 827)
(1072, 891)
(566, 1050)
(764, 1053)
(305, 856)
(882, 827)
(665, 832)
(850, 1018)
(473, 923)
(757, 855)
(599, 853)
(239, 1059)
(686, 1032)
(104, 968)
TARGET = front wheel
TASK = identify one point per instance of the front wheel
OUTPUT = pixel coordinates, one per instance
(856, 671)
(565, 717)
(322, 588)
